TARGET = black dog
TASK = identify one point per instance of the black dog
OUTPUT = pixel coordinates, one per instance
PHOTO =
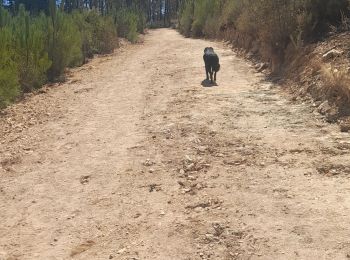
(212, 65)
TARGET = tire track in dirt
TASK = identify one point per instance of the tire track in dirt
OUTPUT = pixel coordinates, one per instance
(148, 164)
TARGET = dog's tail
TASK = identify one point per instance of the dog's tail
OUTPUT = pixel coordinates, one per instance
(216, 67)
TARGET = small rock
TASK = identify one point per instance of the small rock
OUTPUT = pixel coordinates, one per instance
(331, 54)
(332, 116)
(121, 251)
(324, 108)
(181, 183)
(110, 257)
(199, 186)
(148, 162)
(261, 67)
(202, 149)
(191, 178)
(210, 237)
(85, 179)
(344, 127)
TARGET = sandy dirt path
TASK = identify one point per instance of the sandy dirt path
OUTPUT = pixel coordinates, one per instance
(133, 159)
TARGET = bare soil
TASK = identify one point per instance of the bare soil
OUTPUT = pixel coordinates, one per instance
(133, 158)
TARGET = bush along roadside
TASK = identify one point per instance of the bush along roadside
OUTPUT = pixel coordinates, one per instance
(289, 37)
(37, 49)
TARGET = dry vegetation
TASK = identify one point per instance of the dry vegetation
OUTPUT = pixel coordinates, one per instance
(290, 37)
(336, 82)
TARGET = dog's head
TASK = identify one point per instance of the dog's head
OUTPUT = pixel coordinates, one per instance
(208, 49)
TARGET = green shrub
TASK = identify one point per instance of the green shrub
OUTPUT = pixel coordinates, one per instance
(141, 21)
(127, 22)
(104, 35)
(30, 50)
(5, 17)
(9, 87)
(35, 48)
(64, 42)
(85, 28)
(98, 33)
(211, 27)
(186, 18)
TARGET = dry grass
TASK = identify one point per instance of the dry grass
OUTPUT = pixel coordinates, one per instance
(337, 82)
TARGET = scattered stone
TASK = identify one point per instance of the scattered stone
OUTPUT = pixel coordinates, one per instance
(331, 54)
(261, 67)
(82, 248)
(137, 215)
(324, 108)
(202, 149)
(332, 116)
(148, 162)
(182, 184)
(121, 251)
(332, 169)
(218, 229)
(199, 186)
(199, 205)
(191, 178)
(345, 127)
(210, 237)
(154, 187)
(85, 179)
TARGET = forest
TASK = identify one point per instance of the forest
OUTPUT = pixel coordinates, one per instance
(40, 39)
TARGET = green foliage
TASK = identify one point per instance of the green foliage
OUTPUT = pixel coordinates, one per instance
(104, 34)
(84, 22)
(98, 33)
(31, 55)
(9, 87)
(186, 17)
(5, 17)
(37, 48)
(204, 11)
(127, 22)
(64, 42)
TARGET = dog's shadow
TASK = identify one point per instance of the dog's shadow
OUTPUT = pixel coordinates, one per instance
(208, 84)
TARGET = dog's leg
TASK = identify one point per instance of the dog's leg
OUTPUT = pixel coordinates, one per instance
(211, 75)
(215, 76)
(207, 72)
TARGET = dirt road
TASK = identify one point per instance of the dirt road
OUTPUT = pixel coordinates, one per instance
(133, 159)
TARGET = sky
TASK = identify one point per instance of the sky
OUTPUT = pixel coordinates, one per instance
(7, 1)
